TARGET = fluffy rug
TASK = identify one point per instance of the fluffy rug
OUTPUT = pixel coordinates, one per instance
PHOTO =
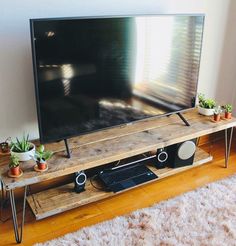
(206, 216)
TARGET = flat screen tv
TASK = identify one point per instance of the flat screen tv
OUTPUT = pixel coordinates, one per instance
(92, 73)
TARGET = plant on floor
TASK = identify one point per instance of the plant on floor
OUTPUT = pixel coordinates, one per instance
(23, 148)
(217, 112)
(206, 105)
(14, 165)
(41, 156)
(228, 111)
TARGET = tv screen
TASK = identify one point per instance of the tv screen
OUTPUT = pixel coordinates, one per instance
(95, 73)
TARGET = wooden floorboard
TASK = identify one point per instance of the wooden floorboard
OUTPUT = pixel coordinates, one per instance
(50, 228)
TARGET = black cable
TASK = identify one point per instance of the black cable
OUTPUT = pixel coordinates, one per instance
(117, 163)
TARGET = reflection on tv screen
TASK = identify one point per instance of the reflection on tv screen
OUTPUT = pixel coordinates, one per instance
(102, 72)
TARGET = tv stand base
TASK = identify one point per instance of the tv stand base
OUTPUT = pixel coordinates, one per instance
(67, 148)
(183, 119)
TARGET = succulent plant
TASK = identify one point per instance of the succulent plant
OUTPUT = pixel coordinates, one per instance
(22, 145)
(41, 155)
(14, 161)
(217, 110)
(206, 103)
(228, 108)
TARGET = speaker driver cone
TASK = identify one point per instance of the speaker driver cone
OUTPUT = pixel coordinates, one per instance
(186, 150)
(162, 157)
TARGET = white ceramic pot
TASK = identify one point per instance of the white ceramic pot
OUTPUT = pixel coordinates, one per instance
(206, 111)
(25, 156)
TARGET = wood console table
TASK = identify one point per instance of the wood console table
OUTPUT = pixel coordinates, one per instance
(101, 148)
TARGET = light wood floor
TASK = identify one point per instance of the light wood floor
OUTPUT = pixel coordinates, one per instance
(50, 228)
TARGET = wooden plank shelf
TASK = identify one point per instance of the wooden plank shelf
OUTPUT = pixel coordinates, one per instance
(114, 144)
(63, 198)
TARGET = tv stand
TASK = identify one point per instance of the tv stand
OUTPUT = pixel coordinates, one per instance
(67, 149)
(104, 147)
(183, 119)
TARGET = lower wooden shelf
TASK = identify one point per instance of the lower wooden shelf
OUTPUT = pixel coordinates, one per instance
(63, 198)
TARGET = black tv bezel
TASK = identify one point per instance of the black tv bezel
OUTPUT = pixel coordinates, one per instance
(33, 51)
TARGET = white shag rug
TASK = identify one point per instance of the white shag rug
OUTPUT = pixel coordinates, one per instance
(206, 216)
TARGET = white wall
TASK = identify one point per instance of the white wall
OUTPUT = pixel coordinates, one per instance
(226, 81)
(218, 66)
(17, 102)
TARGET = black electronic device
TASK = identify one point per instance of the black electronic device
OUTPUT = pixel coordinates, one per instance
(127, 176)
(161, 158)
(181, 154)
(92, 73)
(79, 180)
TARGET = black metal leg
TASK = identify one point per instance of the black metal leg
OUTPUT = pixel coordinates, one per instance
(67, 148)
(228, 141)
(4, 201)
(18, 235)
(3, 194)
(183, 119)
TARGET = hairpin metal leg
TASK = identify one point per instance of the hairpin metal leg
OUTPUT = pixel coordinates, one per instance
(2, 190)
(18, 235)
(4, 200)
(4, 194)
(228, 141)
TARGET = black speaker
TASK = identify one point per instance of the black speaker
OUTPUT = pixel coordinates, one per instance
(161, 158)
(181, 154)
(80, 180)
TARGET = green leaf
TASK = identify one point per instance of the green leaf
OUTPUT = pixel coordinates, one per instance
(21, 145)
(14, 161)
(41, 148)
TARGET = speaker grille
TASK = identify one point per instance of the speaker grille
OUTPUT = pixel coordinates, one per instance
(186, 150)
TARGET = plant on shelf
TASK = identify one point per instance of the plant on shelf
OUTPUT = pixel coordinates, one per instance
(206, 105)
(228, 111)
(217, 112)
(14, 165)
(41, 156)
(23, 149)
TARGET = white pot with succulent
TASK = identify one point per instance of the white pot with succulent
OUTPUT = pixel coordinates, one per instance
(23, 149)
(206, 106)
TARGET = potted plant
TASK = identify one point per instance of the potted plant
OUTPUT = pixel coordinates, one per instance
(23, 149)
(4, 146)
(217, 112)
(14, 165)
(41, 156)
(206, 106)
(228, 111)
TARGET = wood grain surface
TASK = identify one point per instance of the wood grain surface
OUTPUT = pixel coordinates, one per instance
(63, 198)
(110, 145)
